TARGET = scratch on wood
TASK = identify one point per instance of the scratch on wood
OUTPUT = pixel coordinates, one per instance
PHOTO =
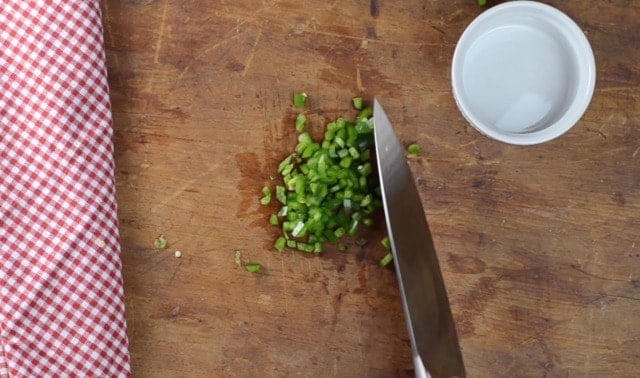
(540, 334)
(374, 8)
(107, 18)
(249, 59)
(575, 267)
(635, 153)
(183, 188)
(116, 63)
(597, 132)
(626, 90)
(360, 343)
(441, 31)
(131, 324)
(359, 80)
(622, 297)
(161, 32)
(377, 40)
(152, 267)
(284, 285)
(587, 361)
(175, 272)
(603, 308)
(231, 35)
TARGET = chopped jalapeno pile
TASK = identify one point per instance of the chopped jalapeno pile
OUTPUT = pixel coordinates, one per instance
(329, 187)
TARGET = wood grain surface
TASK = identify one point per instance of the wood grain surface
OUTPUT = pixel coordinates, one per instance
(539, 246)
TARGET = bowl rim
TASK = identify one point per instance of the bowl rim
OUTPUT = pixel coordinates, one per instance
(586, 76)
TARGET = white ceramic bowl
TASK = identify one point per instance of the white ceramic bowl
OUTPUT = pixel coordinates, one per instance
(523, 73)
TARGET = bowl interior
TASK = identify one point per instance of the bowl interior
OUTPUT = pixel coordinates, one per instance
(519, 69)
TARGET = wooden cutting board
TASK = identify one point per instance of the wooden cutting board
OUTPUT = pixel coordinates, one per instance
(539, 246)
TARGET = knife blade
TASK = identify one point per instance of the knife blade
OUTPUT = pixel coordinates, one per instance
(432, 333)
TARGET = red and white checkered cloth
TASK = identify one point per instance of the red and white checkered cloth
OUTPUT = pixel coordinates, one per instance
(61, 295)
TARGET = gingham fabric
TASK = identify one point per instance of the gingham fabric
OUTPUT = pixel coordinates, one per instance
(61, 296)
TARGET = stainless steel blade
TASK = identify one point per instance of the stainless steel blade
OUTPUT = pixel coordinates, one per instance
(431, 329)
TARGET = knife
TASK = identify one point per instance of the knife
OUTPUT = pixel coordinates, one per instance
(434, 342)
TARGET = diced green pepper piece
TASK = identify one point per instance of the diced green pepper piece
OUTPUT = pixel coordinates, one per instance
(253, 267)
(301, 121)
(281, 194)
(365, 113)
(280, 243)
(284, 210)
(357, 103)
(300, 99)
(386, 243)
(346, 162)
(161, 242)
(284, 163)
(414, 149)
(384, 261)
(266, 198)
